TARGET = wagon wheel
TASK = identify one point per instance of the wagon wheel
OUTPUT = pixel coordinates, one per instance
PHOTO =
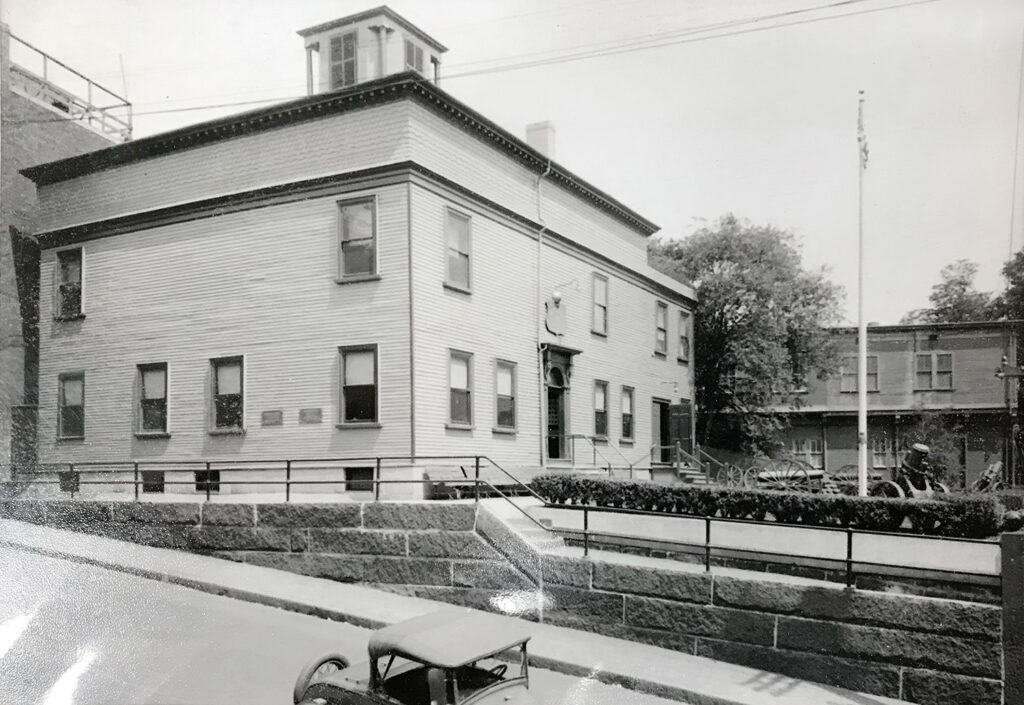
(785, 475)
(734, 476)
(748, 477)
(886, 489)
(315, 670)
(940, 488)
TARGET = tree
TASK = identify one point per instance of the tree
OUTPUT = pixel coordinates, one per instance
(1010, 303)
(954, 299)
(759, 326)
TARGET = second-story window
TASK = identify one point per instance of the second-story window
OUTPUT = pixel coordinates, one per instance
(684, 337)
(661, 329)
(69, 284)
(413, 56)
(600, 323)
(359, 384)
(934, 371)
(848, 374)
(600, 409)
(627, 413)
(153, 398)
(457, 236)
(228, 400)
(460, 385)
(505, 395)
(357, 241)
(343, 60)
(71, 402)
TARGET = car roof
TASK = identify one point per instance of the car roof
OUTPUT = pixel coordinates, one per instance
(449, 638)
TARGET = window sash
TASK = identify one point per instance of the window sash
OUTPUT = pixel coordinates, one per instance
(600, 408)
(357, 240)
(343, 60)
(359, 381)
(153, 398)
(457, 236)
(505, 395)
(848, 374)
(71, 403)
(626, 408)
(661, 328)
(228, 402)
(600, 313)
(460, 381)
(684, 336)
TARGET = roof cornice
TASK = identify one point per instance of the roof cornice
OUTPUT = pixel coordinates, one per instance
(919, 327)
(385, 90)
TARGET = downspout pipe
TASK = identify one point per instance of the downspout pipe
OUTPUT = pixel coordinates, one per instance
(538, 307)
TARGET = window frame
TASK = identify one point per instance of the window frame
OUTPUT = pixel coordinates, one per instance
(58, 309)
(417, 56)
(342, 423)
(602, 386)
(660, 346)
(629, 392)
(933, 371)
(450, 283)
(140, 430)
(340, 276)
(468, 357)
(61, 379)
(331, 63)
(684, 354)
(513, 368)
(843, 375)
(596, 305)
(214, 429)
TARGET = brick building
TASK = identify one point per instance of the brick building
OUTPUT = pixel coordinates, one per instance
(946, 368)
(374, 269)
(46, 115)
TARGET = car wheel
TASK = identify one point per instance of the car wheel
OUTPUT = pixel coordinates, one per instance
(317, 668)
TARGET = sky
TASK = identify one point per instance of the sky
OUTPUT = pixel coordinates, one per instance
(684, 110)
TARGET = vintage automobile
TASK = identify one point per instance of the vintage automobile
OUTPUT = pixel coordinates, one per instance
(443, 658)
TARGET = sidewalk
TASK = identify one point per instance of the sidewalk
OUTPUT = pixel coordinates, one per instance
(661, 672)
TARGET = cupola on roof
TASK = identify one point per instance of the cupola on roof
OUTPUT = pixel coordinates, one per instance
(365, 46)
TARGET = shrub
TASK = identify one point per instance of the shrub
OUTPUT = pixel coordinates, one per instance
(967, 516)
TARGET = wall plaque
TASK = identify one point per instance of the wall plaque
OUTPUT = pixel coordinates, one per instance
(311, 416)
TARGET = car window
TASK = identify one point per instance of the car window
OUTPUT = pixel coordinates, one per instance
(415, 684)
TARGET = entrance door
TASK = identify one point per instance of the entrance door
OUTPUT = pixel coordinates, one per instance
(661, 427)
(556, 422)
(682, 424)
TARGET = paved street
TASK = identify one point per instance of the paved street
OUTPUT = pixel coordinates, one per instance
(76, 634)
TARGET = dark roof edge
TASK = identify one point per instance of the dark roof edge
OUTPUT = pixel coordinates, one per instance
(311, 107)
(360, 16)
(907, 327)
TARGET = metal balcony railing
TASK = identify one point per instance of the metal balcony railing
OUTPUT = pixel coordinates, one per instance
(55, 85)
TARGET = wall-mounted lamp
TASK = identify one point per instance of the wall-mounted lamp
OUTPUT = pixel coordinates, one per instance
(556, 292)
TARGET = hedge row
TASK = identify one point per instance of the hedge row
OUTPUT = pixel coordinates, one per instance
(950, 515)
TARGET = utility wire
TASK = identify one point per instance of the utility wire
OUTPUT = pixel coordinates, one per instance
(621, 47)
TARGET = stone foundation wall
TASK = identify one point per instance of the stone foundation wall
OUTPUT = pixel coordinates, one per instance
(412, 545)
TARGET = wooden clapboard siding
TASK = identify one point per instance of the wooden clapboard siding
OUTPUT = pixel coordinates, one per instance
(258, 283)
(355, 139)
(441, 146)
(495, 321)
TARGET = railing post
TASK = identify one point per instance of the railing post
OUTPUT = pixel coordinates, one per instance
(376, 481)
(136, 474)
(287, 481)
(476, 483)
(850, 580)
(586, 532)
(707, 544)
(71, 478)
(45, 68)
(208, 480)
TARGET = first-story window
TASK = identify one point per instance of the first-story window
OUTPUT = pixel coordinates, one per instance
(69, 284)
(359, 384)
(661, 329)
(227, 393)
(600, 408)
(153, 398)
(460, 380)
(627, 413)
(880, 451)
(357, 246)
(505, 395)
(71, 405)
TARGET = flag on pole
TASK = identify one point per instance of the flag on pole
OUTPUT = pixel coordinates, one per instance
(862, 139)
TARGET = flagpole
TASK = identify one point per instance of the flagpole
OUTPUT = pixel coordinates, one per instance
(862, 340)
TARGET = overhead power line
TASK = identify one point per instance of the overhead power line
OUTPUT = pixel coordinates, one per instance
(676, 37)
